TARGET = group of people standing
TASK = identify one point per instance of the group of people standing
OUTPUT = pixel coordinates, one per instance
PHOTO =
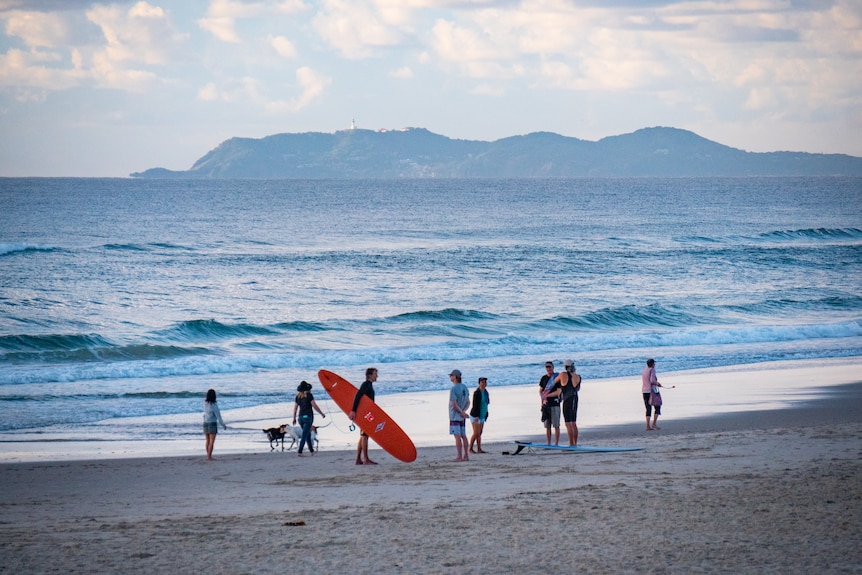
(558, 393)
(560, 390)
(459, 401)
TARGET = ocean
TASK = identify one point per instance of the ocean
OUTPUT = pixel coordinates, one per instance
(124, 298)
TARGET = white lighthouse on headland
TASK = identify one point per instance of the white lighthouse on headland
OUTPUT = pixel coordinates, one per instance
(352, 124)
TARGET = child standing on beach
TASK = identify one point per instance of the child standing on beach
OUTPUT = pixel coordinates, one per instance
(459, 401)
(212, 419)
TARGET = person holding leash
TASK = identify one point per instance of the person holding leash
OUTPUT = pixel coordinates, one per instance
(306, 405)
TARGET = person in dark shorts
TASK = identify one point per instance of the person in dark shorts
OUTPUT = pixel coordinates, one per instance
(570, 385)
(649, 380)
(367, 389)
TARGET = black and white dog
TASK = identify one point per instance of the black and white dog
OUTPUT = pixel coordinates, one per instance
(276, 434)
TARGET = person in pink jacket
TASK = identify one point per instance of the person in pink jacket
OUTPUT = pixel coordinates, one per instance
(648, 382)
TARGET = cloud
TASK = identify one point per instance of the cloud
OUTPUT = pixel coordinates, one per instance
(23, 72)
(243, 89)
(38, 29)
(283, 46)
(221, 15)
(404, 73)
(313, 85)
(143, 35)
(357, 28)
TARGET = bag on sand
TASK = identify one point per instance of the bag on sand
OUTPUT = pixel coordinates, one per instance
(655, 399)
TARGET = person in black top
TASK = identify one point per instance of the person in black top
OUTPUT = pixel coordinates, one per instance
(549, 391)
(367, 388)
(570, 385)
(305, 404)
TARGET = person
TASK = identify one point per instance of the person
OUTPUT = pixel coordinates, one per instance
(549, 391)
(306, 406)
(479, 414)
(650, 382)
(366, 389)
(570, 385)
(459, 401)
(212, 419)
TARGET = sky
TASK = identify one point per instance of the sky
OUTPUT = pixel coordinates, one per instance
(96, 89)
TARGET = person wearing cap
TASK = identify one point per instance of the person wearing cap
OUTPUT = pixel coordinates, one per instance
(649, 386)
(366, 389)
(305, 405)
(570, 385)
(549, 391)
(459, 401)
(479, 414)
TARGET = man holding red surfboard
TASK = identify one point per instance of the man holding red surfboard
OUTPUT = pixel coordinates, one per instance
(367, 389)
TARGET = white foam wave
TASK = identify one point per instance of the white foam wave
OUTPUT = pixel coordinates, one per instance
(619, 344)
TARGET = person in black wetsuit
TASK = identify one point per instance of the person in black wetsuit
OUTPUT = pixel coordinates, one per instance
(367, 388)
(570, 385)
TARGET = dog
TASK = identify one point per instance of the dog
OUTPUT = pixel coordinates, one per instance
(295, 434)
(285, 431)
(276, 434)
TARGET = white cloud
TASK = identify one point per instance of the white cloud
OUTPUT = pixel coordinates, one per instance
(143, 35)
(221, 15)
(313, 85)
(23, 71)
(221, 27)
(38, 29)
(245, 89)
(355, 28)
(404, 73)
(283, 46)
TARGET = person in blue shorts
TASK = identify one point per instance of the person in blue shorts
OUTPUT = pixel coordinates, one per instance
(212, 419)
(459, 401)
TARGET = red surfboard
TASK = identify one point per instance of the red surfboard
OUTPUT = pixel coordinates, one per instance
(369, 417)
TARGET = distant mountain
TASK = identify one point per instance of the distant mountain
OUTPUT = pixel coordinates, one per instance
(418, 153)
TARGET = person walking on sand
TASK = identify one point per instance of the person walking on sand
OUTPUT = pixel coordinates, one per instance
(479, 414)
(570, 385)
(649, 386)
(366, 389)
(459, 401)
(212, 419)
(306, 406)
(549, 391)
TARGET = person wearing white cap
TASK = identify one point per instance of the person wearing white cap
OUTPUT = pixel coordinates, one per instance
(459, 401)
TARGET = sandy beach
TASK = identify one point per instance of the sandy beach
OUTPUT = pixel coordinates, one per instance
(758, 491)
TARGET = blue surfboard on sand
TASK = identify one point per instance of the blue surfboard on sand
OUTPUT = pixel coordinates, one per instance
(529, 445)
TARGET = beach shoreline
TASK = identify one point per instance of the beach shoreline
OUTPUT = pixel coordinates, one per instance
(770, 491)
(609, 408)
